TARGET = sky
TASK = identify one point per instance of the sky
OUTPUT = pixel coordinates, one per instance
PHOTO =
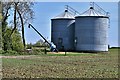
(45, 11)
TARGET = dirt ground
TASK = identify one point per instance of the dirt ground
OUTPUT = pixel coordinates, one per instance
(26, 56)
(29, 56)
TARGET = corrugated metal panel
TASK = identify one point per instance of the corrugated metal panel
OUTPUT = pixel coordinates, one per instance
(91, 33)
(62, 34)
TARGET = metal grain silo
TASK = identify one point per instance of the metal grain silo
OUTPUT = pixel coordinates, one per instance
(91, 31)
(62, 31)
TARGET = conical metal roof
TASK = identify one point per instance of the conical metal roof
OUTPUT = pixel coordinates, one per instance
(65, 15)
(92, 12)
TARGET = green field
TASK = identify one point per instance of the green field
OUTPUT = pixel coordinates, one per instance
(79, 65)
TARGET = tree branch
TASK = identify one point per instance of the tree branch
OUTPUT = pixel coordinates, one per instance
(22, 26)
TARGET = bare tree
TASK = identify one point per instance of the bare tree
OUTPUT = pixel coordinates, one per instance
(23, 13)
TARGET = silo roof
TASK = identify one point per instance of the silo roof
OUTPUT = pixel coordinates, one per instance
(65, 15)
(92, 12)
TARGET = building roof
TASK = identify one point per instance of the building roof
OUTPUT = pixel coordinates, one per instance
(65, 15)
(92, 12)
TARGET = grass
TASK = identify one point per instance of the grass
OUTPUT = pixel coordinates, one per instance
(77, 65)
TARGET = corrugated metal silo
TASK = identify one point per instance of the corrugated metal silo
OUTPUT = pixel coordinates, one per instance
(91, 31)
(62, 31)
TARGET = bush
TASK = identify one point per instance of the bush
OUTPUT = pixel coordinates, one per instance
(30, 52)
(38, 51)
(2, 51)
(9, 52)
(17, 41)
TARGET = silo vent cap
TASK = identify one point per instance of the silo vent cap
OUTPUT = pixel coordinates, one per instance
(66, 10)
(91, 8)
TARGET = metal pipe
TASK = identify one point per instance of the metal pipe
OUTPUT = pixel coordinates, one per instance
(39, 33)
(51, 46)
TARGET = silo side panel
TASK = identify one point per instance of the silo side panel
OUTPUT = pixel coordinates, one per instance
(63, 33)
(91, 33)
